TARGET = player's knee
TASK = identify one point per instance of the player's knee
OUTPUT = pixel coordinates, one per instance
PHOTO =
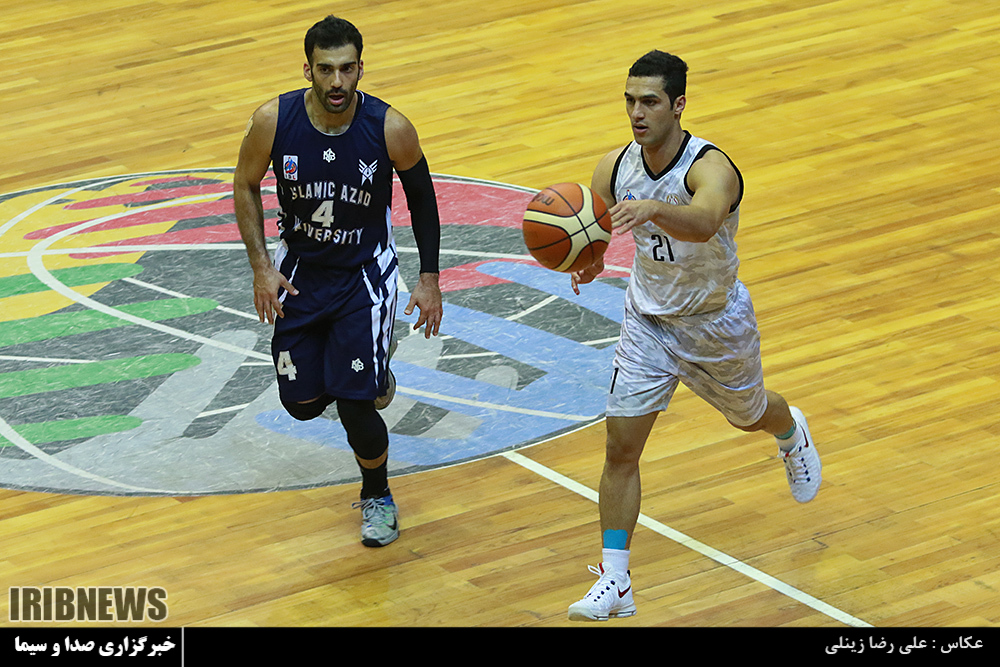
(306, 411)
(622, 452)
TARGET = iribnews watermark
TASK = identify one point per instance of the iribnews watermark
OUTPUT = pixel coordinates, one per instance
(104, 604)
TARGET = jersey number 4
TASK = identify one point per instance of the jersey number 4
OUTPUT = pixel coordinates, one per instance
(661, 243)
(324, 213)
(285, 365)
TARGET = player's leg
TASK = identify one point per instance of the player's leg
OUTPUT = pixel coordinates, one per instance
(641, 387)
(722, 364)
(357, 374)
(621, 487)
(369, 438)
(777, 419)
(298, 343)
(619, 502)
(803, 468)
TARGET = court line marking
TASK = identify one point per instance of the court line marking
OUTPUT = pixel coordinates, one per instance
(496, 406)
(46, 360)
(693, 544)
(169, 292)
(527, 311)
(126, 249)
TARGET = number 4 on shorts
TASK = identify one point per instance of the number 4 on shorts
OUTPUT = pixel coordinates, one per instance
(285, 365)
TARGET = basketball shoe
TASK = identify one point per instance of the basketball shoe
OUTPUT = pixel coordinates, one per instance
(383, 401)
(802, 465)
(379, 521)
(610, 597)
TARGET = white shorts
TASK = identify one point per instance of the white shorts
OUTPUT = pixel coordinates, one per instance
(716, 355)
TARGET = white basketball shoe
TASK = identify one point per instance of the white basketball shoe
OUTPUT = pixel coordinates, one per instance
(610, 597)
(802, 465)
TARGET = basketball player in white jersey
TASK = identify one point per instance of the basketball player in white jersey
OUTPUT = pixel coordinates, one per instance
(688, 318)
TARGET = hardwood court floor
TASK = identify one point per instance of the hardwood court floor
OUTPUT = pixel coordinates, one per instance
(866, 133)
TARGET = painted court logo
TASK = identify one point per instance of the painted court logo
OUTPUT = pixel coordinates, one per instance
(111, 604)
(132, 361)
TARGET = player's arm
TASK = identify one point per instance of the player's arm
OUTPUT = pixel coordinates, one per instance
(254, 160)
(411, 166)
(600, 183)
(716, 188)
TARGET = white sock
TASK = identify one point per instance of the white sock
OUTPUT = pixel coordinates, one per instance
(616, 560)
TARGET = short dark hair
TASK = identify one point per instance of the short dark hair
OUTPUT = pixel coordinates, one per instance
(330, 33)
(671, 69)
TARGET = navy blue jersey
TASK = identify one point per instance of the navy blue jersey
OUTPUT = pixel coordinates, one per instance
(335, 192)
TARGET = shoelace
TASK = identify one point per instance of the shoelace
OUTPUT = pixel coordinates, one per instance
(372, 510)
(601, 577)
(795, 466)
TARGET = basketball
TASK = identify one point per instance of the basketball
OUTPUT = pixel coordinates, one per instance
(566, 227)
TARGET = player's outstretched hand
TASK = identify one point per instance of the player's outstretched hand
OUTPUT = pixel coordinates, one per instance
(266, 283)
(631, 213)
(427, 297)
(584, 276)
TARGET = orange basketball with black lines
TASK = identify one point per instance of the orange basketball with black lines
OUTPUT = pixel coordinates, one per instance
(566, 227)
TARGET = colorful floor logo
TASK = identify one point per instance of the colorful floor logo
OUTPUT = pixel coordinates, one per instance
(133, 363)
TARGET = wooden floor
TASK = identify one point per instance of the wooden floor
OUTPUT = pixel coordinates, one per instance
(867, 136)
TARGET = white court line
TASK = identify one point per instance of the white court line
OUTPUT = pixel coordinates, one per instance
(527, 311)
(148, 247)
(220, 411)
(164, 290)
(695, 545)
(47, 360)
(125, 249)
(496, 406)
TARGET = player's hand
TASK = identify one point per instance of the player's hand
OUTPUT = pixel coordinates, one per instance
(427, 297)
(587, 275)
(266, 283)
(631, 213)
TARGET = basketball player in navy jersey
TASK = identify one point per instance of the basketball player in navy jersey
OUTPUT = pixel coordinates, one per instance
(330, 291)
(688, 318)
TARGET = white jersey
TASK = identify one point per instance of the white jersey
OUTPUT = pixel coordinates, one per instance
(671, 277)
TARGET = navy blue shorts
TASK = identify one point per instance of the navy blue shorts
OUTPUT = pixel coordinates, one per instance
(334, 337)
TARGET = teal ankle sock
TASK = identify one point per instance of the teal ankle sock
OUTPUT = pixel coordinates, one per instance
(790, 433)
(615, 539)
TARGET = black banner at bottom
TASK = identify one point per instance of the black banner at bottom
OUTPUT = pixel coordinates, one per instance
(81, 645)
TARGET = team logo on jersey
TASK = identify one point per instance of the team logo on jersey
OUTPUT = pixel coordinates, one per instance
(367, 170)
(358, 365)
(290, 167)
(329, 155)
(629, 196)
(673, 200)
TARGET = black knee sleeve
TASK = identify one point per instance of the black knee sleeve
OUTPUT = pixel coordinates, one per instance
(306, 411)
(366, 431)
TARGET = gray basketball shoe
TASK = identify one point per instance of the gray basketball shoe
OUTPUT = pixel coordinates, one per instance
(379, 521)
